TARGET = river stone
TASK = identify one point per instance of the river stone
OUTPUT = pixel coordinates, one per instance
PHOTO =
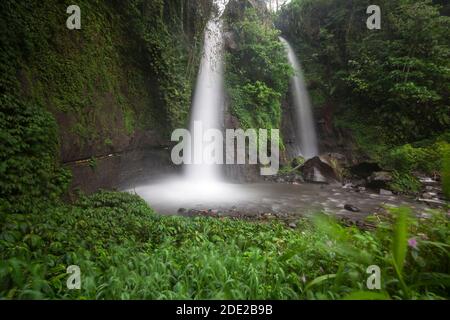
(351, 208)
(385, 192)
(379, 179)
(315, 170)
(434, 203)
(337, 161)
(427, 181)
(429, 195)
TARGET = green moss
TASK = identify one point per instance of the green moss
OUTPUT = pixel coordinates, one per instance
(108, 142)
(257, 72)
(130, 67)
(127, 59)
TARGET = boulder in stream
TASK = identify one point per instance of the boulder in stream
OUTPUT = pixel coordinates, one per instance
(337, 161)
(351, 208)
(315, 170)
(386, 192)
(379, 179)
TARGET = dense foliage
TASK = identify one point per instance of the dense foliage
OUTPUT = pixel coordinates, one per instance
(125, 251)
(130, 67)
(257, 70)
(389, 86)
(399, 74)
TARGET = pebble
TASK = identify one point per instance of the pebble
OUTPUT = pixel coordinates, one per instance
(351, 208)
(385, 192)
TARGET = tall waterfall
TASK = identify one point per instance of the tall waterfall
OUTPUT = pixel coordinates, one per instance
(207, 108)
(306, 130)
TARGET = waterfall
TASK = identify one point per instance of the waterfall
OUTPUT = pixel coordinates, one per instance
(306, 130)
(207, 107)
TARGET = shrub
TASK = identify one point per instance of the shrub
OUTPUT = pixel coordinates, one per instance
(404, 182)
(125, 251)
(257, 72)
(427, 158)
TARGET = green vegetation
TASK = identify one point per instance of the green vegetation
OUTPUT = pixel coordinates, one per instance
(257, 71)
(130, 67)
(125, 251)
(421, 157)
(390, 86)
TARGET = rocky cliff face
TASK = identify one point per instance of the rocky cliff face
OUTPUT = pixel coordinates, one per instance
(120, 83)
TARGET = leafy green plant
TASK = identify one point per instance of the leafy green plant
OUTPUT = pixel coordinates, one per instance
(404, 182)
(257, 72)
(126, 251)
(400, 242)
(445, 171)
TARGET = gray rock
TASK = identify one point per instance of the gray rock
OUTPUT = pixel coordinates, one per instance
(429, 195)
(359, 183)
(427, 181)
(292, 225)
(385, 192)
(433, 202)
(351, 208)
(379, 179)
(315, 170)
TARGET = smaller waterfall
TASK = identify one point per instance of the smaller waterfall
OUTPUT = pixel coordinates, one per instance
(306, 130)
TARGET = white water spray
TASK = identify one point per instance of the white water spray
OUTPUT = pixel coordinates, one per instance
(208, 102)
(202, 183)
(306, 131)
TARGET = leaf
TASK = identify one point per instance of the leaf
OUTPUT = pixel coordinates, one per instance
(432, 279)
(367, 295)
(319, 280)
(400, 241)
(443, 246)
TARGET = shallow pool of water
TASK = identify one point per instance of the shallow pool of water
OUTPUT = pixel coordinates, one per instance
(169, 194)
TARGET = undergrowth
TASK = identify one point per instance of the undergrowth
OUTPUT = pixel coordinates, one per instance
(126, 251)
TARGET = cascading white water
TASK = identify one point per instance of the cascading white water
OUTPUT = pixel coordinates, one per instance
(304, 117)
(202, 183)
(207, 106)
